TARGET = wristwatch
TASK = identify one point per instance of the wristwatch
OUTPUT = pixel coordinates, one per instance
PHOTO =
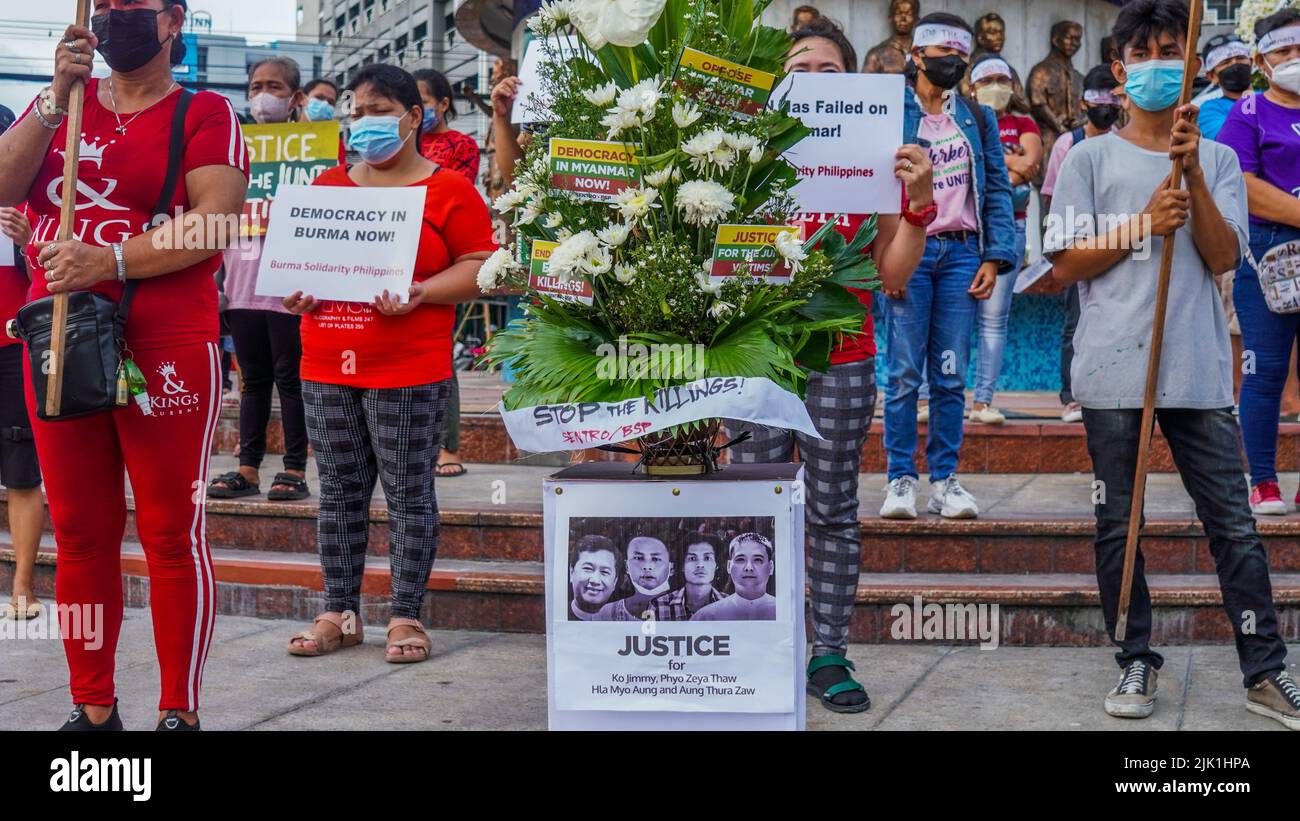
(121, 262)
(922, 218)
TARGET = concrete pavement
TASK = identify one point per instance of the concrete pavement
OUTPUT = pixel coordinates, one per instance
(496, 681)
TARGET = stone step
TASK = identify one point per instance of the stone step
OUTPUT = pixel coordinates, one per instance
(1019, 446)
(1033, 609)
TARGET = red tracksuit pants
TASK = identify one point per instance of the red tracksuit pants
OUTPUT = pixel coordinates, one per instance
(84, 462)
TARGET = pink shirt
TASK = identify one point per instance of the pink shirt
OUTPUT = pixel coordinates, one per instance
(954, 192)
(241, 279)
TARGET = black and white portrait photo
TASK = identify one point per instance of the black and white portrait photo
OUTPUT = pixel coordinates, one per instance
(671, 569)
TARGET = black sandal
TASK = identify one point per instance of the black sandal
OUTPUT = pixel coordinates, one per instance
(457, 469)
(845, 685)
(297, 484)
(236, 486)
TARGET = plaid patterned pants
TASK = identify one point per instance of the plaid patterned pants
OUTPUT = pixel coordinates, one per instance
(841, 403)
(360, 435)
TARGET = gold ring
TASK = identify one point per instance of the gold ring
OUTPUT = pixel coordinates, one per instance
(907, 165)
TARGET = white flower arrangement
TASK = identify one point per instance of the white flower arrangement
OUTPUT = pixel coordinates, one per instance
(1252, 11)
(704, 202)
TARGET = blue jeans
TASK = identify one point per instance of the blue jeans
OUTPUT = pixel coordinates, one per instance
(1270, 337)
(991, 325)
(929, 329)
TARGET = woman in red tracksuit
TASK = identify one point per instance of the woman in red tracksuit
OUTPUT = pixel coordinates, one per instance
(171, 333)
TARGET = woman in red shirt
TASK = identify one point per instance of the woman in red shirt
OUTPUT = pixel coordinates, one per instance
(164, 438)
(376, 377)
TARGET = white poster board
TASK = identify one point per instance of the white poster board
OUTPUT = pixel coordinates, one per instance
(846, 166)
(341, 242)
(7, 259)
(532, 103)
(726, 664)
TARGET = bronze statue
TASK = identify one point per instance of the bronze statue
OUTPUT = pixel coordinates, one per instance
(890, 56)
(802, 16)
(1056, 86)
(991, 38)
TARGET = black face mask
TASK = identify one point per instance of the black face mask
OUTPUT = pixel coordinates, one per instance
(1235, 79)
(1103, 116)
(128, 39)
(945, 72)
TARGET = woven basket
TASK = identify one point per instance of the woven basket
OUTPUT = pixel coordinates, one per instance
(681, 450)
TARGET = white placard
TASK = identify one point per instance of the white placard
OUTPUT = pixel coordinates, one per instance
(7, 259)
(341, 243)
(581, 425)
(846, 166)
(532, 103)
(1031, 274)
(649, 672)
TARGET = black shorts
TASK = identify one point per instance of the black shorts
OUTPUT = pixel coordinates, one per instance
(19, 469)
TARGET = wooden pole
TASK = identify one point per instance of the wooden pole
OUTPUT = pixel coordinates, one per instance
(67, 217)
(1157, 343)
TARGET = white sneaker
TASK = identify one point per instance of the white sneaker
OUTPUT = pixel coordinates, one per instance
(923, 413)
(900, 502)
(987, 415)
(1073, 413)
(951, 501)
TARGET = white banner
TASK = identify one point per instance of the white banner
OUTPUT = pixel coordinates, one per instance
(341, 242)
(846, 166)
(7, 259)
(581, 425)
(690, 666)
(532, 103)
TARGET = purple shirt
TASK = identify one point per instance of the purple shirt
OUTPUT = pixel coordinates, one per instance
(1266, 137)
(241, 279)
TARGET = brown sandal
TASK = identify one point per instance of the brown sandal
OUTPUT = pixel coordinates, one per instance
(421, 641)
(325, 643)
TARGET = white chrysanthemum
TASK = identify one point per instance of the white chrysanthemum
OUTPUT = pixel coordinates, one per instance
(625, 273)
(660, 178)
(615, 234)
(707, 284)
(685, 113)
(704, 202)
(721, 310)
(756, 154)
(618, 120)
(553, 221)
(571, 255)
(598, 262)
(510, 200)
(602, 96)
(641, 98)
(532, 210)
(494, 270)
(709, 147)
(677, 175)
(635, 203)
(791, 250)
(621, 22)
(740, 143)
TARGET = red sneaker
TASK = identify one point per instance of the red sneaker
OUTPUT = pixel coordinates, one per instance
(1266, 500)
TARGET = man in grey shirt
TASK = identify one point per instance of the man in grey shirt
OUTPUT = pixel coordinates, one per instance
(1112, 211)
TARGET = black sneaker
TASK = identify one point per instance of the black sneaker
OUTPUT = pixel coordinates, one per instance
(173, 723)
(79, 722)
(1277, 697)
(1135, 694)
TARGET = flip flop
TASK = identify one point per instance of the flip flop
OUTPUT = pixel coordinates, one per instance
(457, 469)
(20, 611)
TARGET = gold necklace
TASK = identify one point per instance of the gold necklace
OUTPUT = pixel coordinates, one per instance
(121, 126)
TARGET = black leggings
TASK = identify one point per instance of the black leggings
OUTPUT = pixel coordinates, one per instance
(269, 351)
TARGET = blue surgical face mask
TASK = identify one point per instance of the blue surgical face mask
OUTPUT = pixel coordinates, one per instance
(1154, 85)
(431, 119)
(377, 139)
(318, 109)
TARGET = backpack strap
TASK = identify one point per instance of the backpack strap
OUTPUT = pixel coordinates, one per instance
(1079, 134)
(175, 155)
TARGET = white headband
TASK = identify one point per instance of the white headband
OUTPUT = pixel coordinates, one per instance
(1224, 53)
(1279, 38)
(990, 68)
(937, 34)
(1096, 96)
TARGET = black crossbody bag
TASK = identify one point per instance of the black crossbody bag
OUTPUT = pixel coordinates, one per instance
(95, 344)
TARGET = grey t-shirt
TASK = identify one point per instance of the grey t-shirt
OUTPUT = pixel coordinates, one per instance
(1103, 182)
